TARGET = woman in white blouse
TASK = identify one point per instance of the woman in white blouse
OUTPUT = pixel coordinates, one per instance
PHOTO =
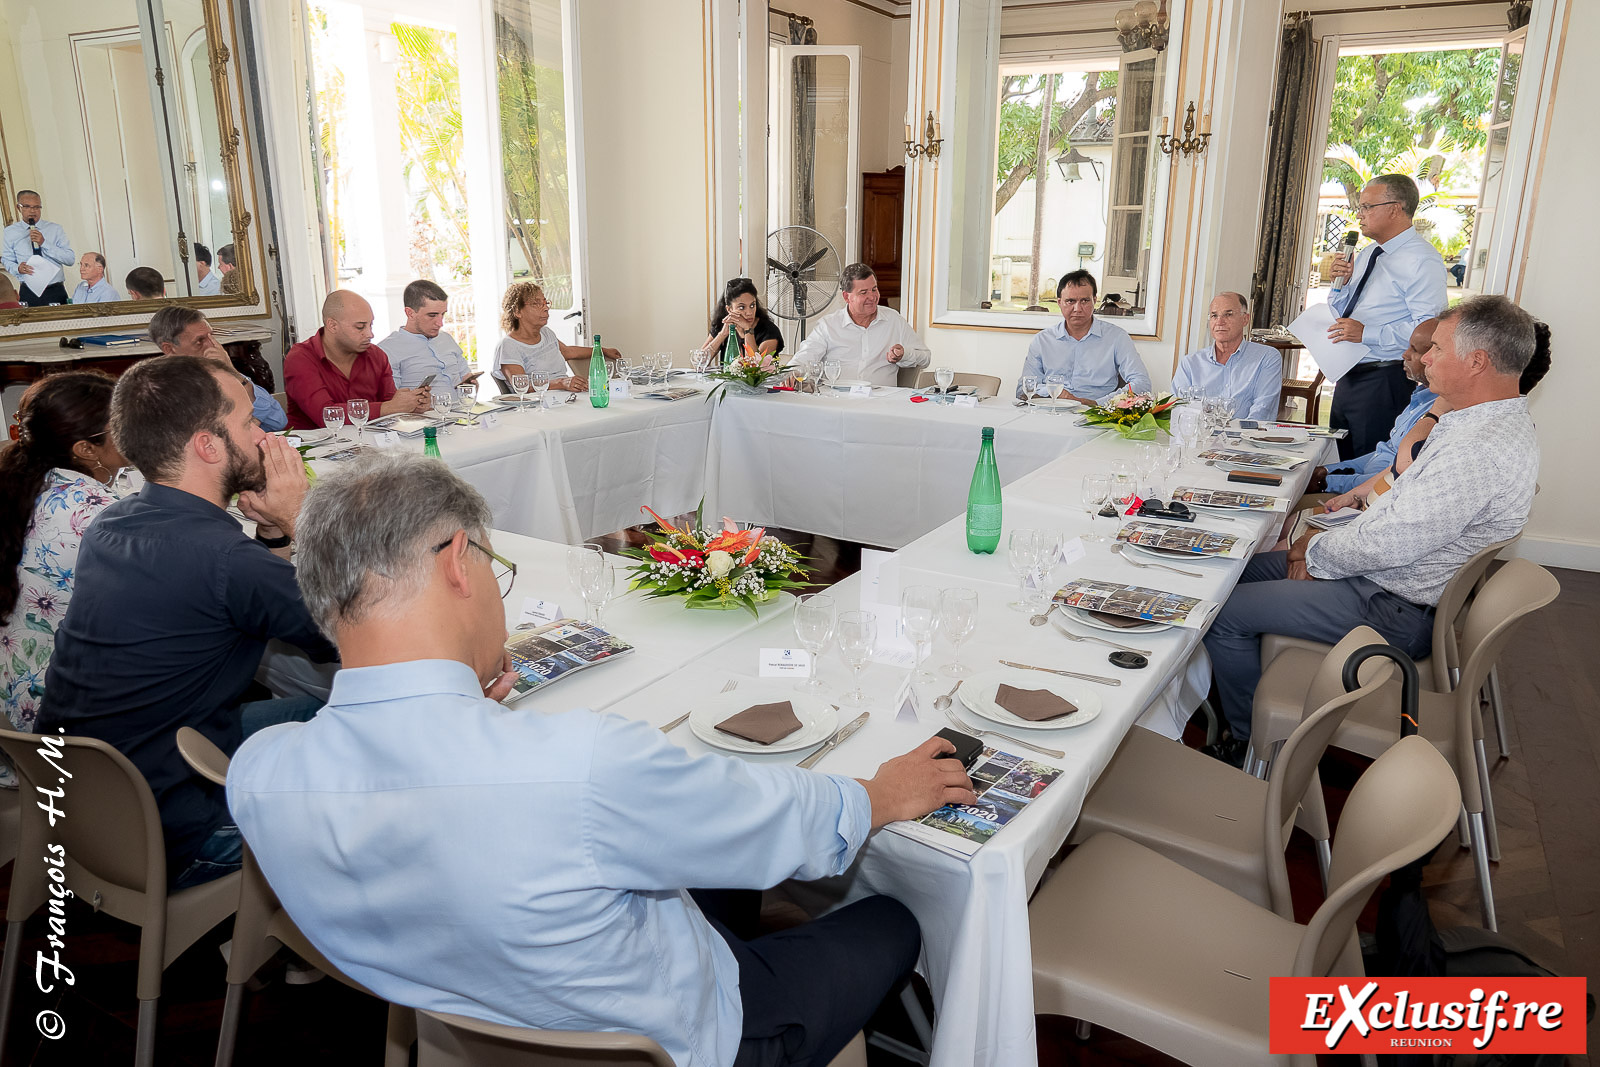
(53, 484)
(530, 346)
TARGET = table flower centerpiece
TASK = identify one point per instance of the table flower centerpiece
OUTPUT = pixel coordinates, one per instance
(1136, 416)
(751, 372)
(714, 569)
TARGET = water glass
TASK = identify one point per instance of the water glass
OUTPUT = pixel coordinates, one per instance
(958, 615)
(333, 418)
(520, 384)
(943, 377)
(1055, 385)
(858, 636)
(443, 398)
(1030, 389)
(541, 385)
(919, 608)
(1096, 489)
(127, 481)
(358, 412)
(599, 585)
(1147, 459)
(831, 369)
(813, 628)
(1023, 551)
(582, 560)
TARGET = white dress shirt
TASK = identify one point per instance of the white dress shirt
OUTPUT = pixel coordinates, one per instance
(544, 357)
(412, 357)
(863, 351)
(1407, 288)
(1095, 367)
(211, 284)
(1471, 487)
(98, 293)
(530, 869)
(1253, 376)
(16, 246)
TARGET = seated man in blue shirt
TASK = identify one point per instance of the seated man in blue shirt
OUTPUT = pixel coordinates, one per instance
(174, 605)
(1251, 373)
(183, 331)
(1095, 357)
(92, 285)
(1351, 473)
(421, 349)
(538, 863)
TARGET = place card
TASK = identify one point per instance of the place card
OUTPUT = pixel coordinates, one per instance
(785, 663)
(860, 390)
(540, 611)
(384, 439)
(489, 420)
(1072, 549)
(965, 400)
(621, 389)
(895, 647)
(880, 578)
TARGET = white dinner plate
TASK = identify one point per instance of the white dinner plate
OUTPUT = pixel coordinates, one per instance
(818, 720)
(849, 383)
(978, 692)
(1089, 620)
(307, 437)
(1170, 557)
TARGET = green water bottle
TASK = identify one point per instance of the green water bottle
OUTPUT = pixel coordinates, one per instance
(730, 353)
(983, 499)
(430, 442)
(599, 380)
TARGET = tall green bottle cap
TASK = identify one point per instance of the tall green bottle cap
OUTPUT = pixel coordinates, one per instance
(429, 433)
(988, 433)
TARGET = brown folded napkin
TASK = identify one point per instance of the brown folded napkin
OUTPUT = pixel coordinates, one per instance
(1120, 621)
(1035, 705)
(1277, 440)
(763, 723)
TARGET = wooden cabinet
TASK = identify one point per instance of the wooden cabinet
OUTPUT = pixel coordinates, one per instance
(883, 201)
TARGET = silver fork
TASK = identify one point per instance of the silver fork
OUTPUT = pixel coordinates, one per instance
(969, 728)
(1070, 636)
(1128, 558)
(733, 683)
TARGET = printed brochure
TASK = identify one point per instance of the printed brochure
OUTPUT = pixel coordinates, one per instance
(1005, 784)
(1196, 497)
(1184, 540)
(540, 654)
(1136, 602)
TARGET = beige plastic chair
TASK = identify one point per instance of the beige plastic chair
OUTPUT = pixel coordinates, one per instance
(116, 861)
(1126, 938)
(983, 384)
(10, 824)
(1450, 720)
(1219, 822)
(261, 926)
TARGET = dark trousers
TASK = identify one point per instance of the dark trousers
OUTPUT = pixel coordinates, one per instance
(1366, 402)
(54, 293)
(808, 990)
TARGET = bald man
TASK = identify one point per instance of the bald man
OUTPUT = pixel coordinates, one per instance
(341, 364)
(1251, 373)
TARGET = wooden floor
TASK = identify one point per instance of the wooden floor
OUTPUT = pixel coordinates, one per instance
(1547, 886)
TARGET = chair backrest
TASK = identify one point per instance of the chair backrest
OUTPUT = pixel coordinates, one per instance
(1461, 586)
(457, 1041)
(1402, 806)
(1294, 769)
(983, 384)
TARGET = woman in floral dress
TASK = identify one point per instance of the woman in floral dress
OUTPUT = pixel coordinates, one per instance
(53, 484)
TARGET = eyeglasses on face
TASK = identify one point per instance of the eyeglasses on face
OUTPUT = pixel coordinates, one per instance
(1362, 209)
(505, 572)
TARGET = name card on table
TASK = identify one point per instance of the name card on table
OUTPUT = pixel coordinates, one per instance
(539, 611)
(1072, 549)
(621, 389)
(489, 420)
(860, 390)
(384, 439)
(880, 578)
(895, 647)
(965, 400)
(785, 663)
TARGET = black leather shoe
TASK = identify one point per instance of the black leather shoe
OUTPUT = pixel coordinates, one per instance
(1229, 750)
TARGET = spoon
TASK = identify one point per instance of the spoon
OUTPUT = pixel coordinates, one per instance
(942, 703)
(1040, 620)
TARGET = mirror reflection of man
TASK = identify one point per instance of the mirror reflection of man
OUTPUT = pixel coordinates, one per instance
(183, 331)
(229, 281)
(92, 285)
(210, 279)
(145, 283)
(31, 235)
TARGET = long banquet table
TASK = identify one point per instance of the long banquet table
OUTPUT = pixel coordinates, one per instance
(973, 914)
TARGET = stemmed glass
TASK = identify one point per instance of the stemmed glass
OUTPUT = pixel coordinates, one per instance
(698, 359)
(1147, 457)
(1030, 389)
(958, 614)
(333, 418)
(1023, 551)
(127, 481)
(831, 369)
(1096, 488)
(800, 373)
(582, 560)
(599, 585)
(813, 628)
(1055, 385)
(858, 636)
(919, 607)
(358, 411)
(943, 377)
(541, 385)
(623, 369)
(1171, 460)
(520, 383)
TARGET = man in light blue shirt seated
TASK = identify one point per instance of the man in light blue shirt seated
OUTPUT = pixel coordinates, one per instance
(92, 285)
(1344, 477)
(421, 349)
(32, 236)
(538, 863)
(210, 278)
(1251, 373)
(1095, 357)
(183, 331)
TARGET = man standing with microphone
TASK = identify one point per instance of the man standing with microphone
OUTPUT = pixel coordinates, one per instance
(32, 236)
(1398, 282)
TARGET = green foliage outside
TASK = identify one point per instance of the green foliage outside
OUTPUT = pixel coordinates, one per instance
(1021, 102)
(533, 148)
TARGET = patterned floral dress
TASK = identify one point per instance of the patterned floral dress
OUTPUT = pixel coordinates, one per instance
(68, 504)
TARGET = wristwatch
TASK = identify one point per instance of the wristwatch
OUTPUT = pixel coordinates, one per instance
(273, 542)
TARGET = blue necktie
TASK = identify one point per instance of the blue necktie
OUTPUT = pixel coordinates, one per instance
(1361, 286)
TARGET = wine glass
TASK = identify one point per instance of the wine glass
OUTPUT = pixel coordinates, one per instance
(1055, 385)
(958, 614)
(540, 382)
(127, 481)
(333, 418)
(520, 384)
(943, 377)
(919, 608)
(858, 635)
(581, 560)
(1023, 551)
(1096, 488)
(799, 374)
(358, 412)
(599, 585)
(623, 368)
(666, 359)
(1030, 389)
(831, 369)
(1147, 457)
(697, 359)
(1171, 461)
(443, 398)
(813, 628)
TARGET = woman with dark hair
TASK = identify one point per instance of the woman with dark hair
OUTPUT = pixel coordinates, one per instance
(740, 309)
(53, 484)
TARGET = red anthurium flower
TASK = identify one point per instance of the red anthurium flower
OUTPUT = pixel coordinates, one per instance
(665, 525)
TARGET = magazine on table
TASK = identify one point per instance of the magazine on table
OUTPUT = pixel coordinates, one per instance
(1194, 496)
(409, 425)
(1005, 784)
(1136, 602)
(674, 392)
(542, 653)
(1242, 458)
(1185, 540)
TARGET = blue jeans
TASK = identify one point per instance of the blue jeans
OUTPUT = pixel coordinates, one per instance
(1266, 601)
(223, 851)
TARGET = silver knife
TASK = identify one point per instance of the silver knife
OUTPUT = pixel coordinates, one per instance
(836, 740)
(1065, 674)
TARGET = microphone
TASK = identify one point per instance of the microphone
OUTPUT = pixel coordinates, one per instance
(1350, 239)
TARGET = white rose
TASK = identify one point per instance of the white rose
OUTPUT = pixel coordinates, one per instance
(718, 564)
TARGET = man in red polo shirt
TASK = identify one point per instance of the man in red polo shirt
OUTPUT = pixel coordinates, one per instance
(341, 363)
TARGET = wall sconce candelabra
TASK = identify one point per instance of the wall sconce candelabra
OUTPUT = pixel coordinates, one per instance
(1190, 143)
(1144, 25)
(928, 147)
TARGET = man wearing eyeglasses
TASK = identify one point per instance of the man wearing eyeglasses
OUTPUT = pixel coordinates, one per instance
(1250, 373)
(1395, 284)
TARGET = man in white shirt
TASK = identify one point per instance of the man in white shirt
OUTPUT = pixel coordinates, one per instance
(32, 236)
(210, 279)
(92, 285)
(1399, 282)
(872, 342)
(1095, 358)
(421, 349)
(1471, 486)
(1250, 373)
